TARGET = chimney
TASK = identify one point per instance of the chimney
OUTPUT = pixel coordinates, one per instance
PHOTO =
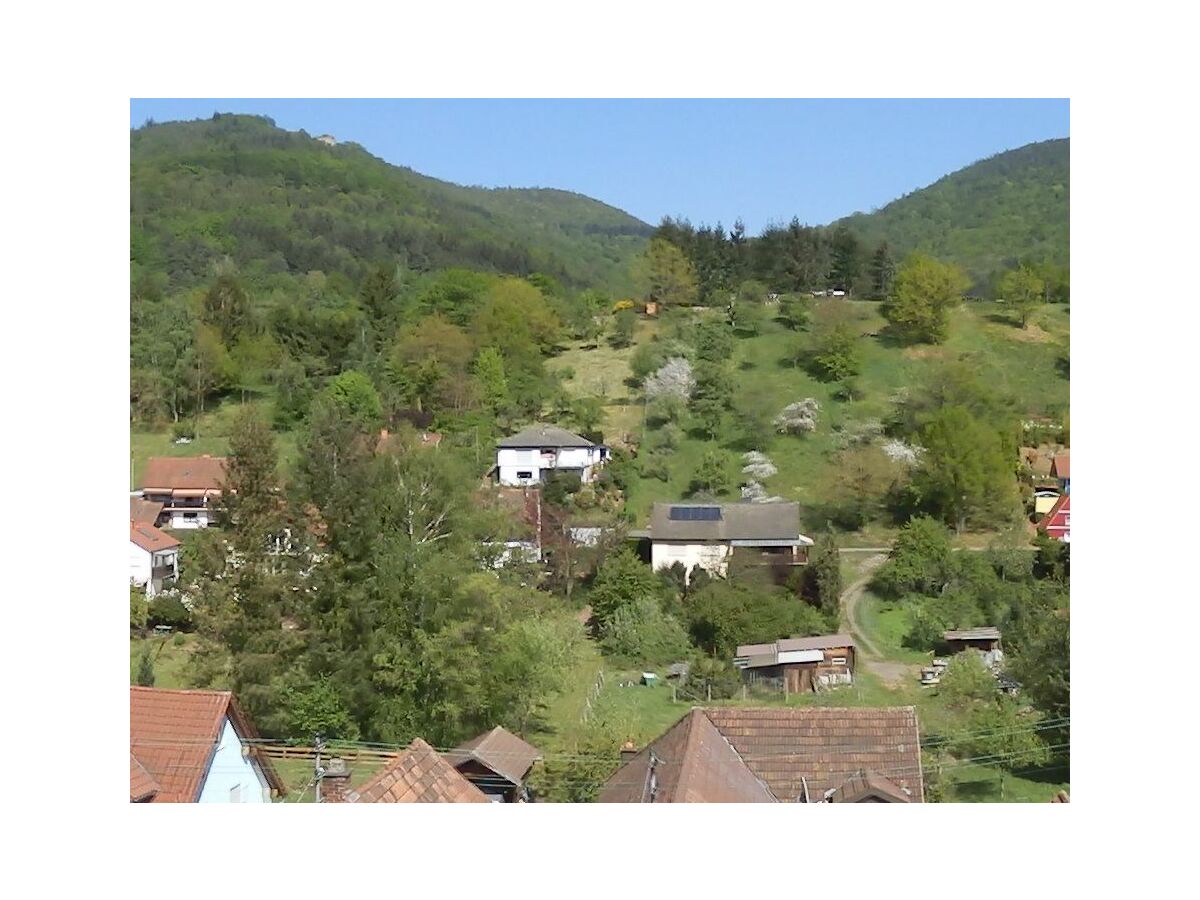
(335, 783)
(628, 751)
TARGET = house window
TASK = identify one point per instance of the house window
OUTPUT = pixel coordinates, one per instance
(524, 474)
(235, 794)
(189, 516)
(838, 660)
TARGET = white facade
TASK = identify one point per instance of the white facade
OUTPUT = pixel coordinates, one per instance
(233, 776)
(520, 466)
(146, 567)
(713, 557)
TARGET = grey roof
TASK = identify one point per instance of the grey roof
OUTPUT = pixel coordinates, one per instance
(986, 633)
(738, 522)
(819, 642)
(544, 436)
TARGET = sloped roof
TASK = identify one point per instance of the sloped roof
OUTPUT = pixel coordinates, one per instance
(195, 473)
(737, 522)
(861, 785)
(691, 763)
(544, 436)
(174, 734)
(149, 538)
(1061, 467)
(144, 511)
(1057, 517)
(142, 785)
(418, 775)
(823, 746)
(501, 751)
(768, 654)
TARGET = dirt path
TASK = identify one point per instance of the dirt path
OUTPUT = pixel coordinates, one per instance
(890, 673)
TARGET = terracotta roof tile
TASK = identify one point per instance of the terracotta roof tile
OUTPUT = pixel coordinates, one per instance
(197, 473)
(144, 511)
(781, 751)
(174, 734)
(150, 538)
(142, 785)
(418, 775)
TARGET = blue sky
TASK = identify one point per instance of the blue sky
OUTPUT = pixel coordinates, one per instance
(705, 160)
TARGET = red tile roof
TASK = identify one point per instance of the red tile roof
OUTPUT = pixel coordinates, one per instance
(144, 511)
(418, 775)
(142, 785)
(499, 750)
(821, 747)
(868, 786)
(739, 754)
(193, 473)
(1057, 522)
(691, 763)
(1061, 467)
(150, 538)
(174, 734)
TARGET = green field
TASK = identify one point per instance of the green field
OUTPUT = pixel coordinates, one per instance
(169, 655)
(1022, 363)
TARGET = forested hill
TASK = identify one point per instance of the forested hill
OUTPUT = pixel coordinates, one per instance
(1011, 207)
(280, 202)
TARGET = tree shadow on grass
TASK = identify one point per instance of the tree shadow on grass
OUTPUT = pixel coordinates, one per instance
(977, 791)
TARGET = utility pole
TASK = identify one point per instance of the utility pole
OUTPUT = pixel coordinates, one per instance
(318, 772)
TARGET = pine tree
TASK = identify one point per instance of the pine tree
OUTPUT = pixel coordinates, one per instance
(883, 270)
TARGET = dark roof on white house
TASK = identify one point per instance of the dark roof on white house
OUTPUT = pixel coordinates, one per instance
(726, 522)
(544, 436)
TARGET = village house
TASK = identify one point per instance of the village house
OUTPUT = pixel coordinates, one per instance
(186, 486)
(1057, 522)
(793, 665)
(418, 775)
(497, 762)
(709, 534)
(777, 755)
(195, 747)
(523, 458)
(1038, 473)
(153, 557)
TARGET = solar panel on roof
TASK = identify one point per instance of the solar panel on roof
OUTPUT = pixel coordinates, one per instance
(694, 513)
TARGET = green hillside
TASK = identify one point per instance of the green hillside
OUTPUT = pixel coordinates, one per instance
(1014, 206)
(282, 203)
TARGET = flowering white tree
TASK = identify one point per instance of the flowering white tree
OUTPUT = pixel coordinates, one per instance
(898, 451)
(758, 466)
(799, 417)
(673, 380)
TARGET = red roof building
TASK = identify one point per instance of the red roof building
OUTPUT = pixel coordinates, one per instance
(1057, 522)
(418, 775)
(194, 747)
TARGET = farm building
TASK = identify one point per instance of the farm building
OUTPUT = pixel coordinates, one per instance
(798, 664)
(985, 641)
(497, 762)
(708, 535)
(194, 747)
(796, 755)
(523, 458)
(1057, 522)
(186, 486)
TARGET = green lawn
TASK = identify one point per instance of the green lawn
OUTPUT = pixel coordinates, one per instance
(885, 625)
(169, 654)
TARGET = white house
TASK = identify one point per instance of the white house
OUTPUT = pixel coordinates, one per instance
(153, 557)
(708, 534)
(186, 486)
(523, 458)
(195, 747)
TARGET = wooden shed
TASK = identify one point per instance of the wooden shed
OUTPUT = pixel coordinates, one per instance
(984, 639)
(799, 664)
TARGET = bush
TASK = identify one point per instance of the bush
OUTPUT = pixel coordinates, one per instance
(183, 430)
(166, 609)
(145, 672)
(139, 610)
(641, 632)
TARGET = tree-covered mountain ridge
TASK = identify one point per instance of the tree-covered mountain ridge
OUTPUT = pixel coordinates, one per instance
(1010, 208)
(278, 203)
